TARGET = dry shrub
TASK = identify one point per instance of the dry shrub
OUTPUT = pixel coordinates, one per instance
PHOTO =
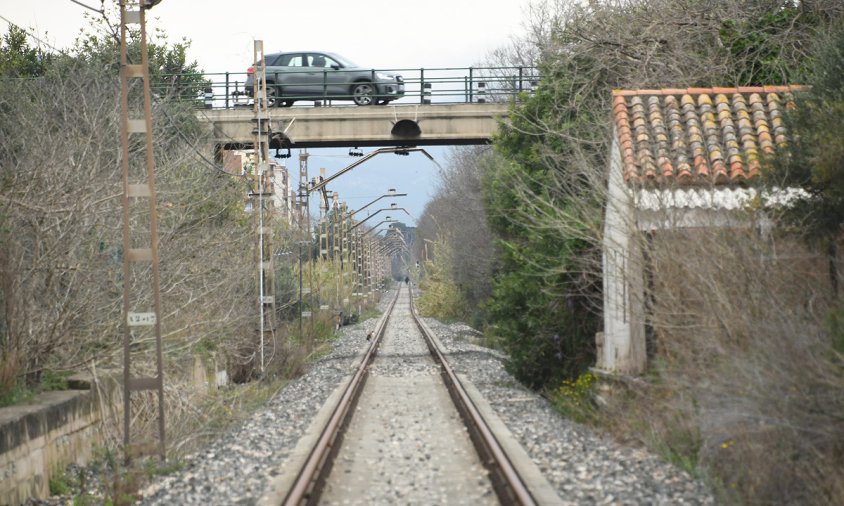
(747, 383)
(440, 294)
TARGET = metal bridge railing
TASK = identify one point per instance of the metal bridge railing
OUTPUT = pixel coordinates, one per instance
(228, 90)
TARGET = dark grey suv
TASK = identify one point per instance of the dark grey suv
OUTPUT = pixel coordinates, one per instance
(313, 75)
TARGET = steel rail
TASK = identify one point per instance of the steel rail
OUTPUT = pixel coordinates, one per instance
(505, 479)
(305, 490)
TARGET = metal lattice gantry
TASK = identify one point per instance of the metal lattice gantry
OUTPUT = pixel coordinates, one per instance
(141, 284)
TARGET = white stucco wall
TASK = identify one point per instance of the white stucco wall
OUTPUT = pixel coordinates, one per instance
(622, 346)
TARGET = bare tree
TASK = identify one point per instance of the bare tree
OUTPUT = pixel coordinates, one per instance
(457, 216)
(60, 227)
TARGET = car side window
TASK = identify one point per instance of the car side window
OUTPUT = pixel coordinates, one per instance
(318, 60)
(289, 60)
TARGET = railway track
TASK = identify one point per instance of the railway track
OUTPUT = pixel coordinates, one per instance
(405, 428)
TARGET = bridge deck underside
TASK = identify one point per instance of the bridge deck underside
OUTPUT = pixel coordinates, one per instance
(400, 125)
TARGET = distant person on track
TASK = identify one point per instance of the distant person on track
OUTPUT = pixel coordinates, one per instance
(406, 280)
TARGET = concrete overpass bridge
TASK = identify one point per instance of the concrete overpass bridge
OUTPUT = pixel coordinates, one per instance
(438, 106)
(351, 126)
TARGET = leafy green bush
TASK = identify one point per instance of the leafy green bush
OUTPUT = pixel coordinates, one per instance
(575, 398)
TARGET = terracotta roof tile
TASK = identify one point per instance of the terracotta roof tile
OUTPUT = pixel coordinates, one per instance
(699, 135)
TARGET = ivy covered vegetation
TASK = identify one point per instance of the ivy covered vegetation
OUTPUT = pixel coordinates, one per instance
(543, 182)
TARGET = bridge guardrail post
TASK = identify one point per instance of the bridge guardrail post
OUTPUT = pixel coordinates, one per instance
(209, 98)
(324, 87)
(422, 86)
(426, 93)
(470, 87)
(227, 90)
(481, 92)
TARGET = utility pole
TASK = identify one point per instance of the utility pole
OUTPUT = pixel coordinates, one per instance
(137, 322)
(357, 266)
(304, 223)
(335, 245)
(323, 217)
(344, 238)
(367, 255)
(261, 189)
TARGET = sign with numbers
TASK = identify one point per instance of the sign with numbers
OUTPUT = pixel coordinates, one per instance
(140, 319)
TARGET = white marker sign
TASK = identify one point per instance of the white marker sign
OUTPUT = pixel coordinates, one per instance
(140, 319)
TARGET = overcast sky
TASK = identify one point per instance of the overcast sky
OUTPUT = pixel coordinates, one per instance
(385, 34)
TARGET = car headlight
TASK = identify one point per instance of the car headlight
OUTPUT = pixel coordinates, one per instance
(383, 76)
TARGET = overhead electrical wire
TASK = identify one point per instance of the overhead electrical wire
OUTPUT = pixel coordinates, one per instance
(24, 30)
(101, 10)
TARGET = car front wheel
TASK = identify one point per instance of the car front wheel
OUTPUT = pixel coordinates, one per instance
(363, 94)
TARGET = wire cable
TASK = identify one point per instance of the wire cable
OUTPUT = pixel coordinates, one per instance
(24, 30)
(196, 150)
(101, 10)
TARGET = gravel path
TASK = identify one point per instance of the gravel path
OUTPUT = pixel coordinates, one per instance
(584, 467)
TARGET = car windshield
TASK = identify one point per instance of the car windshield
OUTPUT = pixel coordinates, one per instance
(343, 61)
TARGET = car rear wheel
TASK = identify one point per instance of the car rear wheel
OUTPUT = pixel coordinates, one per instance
(272, 96)
(364, 94)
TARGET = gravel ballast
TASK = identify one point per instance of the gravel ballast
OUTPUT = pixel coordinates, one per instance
(584, 467)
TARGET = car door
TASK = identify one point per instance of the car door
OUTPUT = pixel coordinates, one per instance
(292, 72)
(318, 74)
(333, 82)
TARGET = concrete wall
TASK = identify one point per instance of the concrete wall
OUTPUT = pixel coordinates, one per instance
(440, 124)
(37, 439)
(43, 437)
(621, 346)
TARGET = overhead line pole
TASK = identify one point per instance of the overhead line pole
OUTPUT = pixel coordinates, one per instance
(304, 224)
(344, 238)
(132, 13)
(335, 248)
(262, 187)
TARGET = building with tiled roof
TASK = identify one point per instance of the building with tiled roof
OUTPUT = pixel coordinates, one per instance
(679, 158)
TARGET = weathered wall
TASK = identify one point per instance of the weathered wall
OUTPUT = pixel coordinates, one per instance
(61, 428)
(57, 429)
